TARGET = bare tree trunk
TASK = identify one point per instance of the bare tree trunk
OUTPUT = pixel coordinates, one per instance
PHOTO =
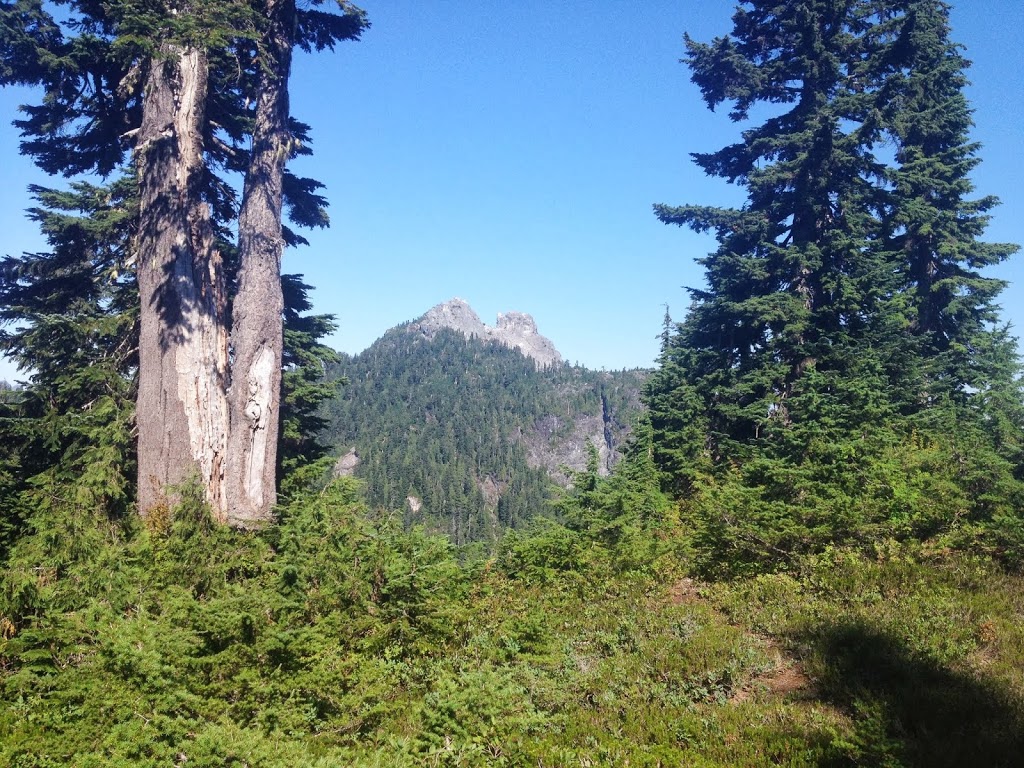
(256, 332)
(182, 411)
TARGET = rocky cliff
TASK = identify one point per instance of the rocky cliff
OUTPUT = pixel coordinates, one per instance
(517, 330)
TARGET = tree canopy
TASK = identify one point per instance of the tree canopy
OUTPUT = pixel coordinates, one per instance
(845, 315)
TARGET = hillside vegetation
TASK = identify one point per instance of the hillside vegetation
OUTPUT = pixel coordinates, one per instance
(338, 638)
(472, 430)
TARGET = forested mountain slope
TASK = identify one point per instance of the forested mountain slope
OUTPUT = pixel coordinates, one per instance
(468, 435)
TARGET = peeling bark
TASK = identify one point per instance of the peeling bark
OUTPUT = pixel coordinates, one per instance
(201, 415)
(182, 410)
(256, 332)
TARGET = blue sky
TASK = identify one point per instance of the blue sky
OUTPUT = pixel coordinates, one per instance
(509, 154)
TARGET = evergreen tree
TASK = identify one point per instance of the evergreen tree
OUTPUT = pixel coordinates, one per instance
(305, 385)
(795, 287)
(844, 299)
(932, 225)
(185, 89)
(70, 318)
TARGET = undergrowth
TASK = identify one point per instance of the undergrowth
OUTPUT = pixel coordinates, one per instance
(337, 638)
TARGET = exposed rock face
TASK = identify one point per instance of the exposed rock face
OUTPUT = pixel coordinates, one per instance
(346, 465)
(557, 445)
(492, 490)
(518, 329)
(514, 329)
(455, 314)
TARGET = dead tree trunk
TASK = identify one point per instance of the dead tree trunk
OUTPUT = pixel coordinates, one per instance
(182, 413)
(256, 331)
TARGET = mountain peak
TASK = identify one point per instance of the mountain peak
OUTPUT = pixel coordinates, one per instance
(455, 314)
(513, 329)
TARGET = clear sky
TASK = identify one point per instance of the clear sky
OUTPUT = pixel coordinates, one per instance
(509, 154)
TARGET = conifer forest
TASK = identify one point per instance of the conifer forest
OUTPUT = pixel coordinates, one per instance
(798, 539)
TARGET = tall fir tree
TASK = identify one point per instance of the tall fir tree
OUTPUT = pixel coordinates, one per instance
(305, 387)
(70, 318)
(933, 227)
(844, 303)
(795, 290)
(71, 315)
(970, 392)
(181, 90)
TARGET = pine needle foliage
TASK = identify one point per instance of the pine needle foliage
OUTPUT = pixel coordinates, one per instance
(847, 335)
(70, 319)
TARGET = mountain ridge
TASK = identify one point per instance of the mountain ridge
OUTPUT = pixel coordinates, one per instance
(517, 330)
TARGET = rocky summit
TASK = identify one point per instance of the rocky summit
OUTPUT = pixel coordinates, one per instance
(517, 330)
